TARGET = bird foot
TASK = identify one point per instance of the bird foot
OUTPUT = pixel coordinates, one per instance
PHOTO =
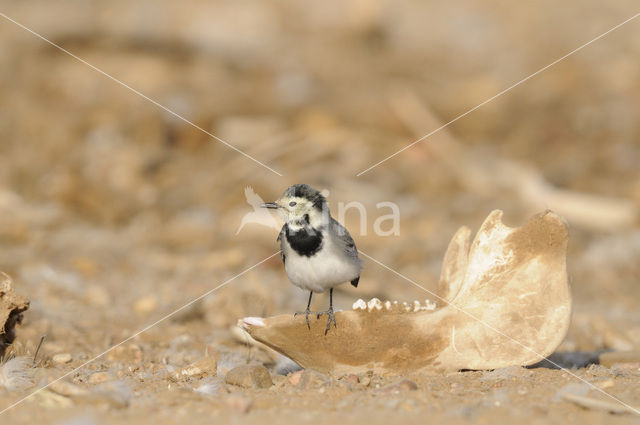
(306, 313)
(331, 318)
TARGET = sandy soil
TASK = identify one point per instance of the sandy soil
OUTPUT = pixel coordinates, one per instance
(115, 213)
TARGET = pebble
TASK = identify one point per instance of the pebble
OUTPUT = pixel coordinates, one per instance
(294, 378)
(207, 366)
(249, 376)
(61, 358)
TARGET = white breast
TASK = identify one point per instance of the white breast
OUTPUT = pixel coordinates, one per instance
(329, 267)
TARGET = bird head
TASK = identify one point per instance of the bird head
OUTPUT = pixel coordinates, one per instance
(301, 205)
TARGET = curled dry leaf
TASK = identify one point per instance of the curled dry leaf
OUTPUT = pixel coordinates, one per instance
(504, 298)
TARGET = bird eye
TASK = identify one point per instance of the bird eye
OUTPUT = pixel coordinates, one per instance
(292, 203)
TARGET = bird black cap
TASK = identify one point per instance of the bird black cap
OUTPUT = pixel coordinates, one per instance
(307, 192)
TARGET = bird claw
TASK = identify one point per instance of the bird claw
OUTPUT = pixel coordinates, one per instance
(331, 318)
(306, 313)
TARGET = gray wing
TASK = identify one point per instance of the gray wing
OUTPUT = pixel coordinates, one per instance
(344, 239)
(281, 239)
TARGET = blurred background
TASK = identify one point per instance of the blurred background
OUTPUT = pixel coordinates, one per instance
(115, 212)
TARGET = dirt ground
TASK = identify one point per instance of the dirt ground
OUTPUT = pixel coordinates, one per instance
(115, 213)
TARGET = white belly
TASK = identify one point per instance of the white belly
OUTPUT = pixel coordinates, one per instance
(321, 271)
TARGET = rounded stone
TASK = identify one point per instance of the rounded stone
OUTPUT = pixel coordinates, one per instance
(249, 376)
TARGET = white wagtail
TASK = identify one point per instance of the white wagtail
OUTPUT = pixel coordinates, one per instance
(318, 253)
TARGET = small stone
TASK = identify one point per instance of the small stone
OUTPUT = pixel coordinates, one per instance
(238, 403)
(399, 387)
(365, 381)
(61, 358)
(207, 366)
(294, 378)
(99, 377)
(249, 376)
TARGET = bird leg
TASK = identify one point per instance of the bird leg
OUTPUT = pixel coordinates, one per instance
(329, 313)
(307, 311)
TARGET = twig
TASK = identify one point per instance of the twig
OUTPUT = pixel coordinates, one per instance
(35, 355)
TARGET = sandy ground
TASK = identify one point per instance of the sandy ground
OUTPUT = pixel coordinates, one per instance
(115, 213)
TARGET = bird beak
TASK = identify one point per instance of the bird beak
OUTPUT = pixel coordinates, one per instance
(271, 205)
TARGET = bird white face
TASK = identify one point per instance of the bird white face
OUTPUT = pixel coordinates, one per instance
(298, 211)
(301, 206)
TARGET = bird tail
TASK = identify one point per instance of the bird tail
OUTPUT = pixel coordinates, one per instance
(355, 281)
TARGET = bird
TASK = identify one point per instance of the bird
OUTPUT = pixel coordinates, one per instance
(318, 252)
(258, 215)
